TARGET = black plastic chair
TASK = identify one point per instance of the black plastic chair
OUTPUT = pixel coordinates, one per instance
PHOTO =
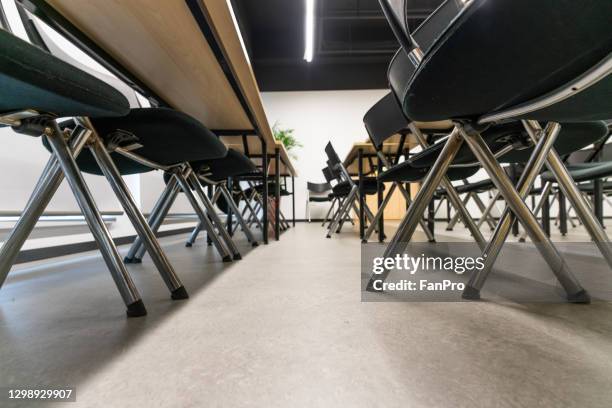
(317, 193)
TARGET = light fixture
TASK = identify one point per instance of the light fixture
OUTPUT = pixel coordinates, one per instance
(310, 26)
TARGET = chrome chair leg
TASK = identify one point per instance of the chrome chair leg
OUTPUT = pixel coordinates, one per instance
(210, 229)
(133, 253)
(483, 210)
(45, 189)
(453, 196)
(487, 212)
(123, 280)
(194, 235)
(536, 211)
(248, 207)
(406, 229)
(165, 269)
(213, 214)
(159, 219)
(346, 205)
(575, 292)
(571, 191)
(241, 221)
(329, 211)
(457, 217)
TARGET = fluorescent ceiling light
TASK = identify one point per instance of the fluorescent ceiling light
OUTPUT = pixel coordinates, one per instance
(310, 23)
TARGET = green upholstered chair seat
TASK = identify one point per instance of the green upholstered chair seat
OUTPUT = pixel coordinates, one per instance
(233, 164)
(167, 137)
(31, 78)
(573, 137)
(498, 54)
(584, 171)
(405, 172)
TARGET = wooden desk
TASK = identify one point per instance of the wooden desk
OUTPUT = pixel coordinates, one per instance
(185, 54)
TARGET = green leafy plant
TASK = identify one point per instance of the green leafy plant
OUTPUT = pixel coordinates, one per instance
(285, 136)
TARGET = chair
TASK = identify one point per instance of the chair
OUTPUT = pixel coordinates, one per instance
(223, 174)
(213, 172)
(348, 192)
(37, 90)
(317, 193)
(384, 120)
(562, 76)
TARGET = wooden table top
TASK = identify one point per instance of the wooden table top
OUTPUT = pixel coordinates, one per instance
(162, 44)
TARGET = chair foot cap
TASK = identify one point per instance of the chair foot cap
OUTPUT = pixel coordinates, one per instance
(136, 309)
(580, 297)
(179, 294)
(255, 244)
(237, 256)
(188, 244)
(227, 258)
(471, 293)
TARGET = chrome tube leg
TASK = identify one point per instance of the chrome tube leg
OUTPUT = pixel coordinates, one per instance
(45, 188)
(379, 213)
(453, 196)
(482, 209)
(331, 207)
(457, 215)
(159, 219)
(129, 258)
(575, 292)
(165, 269)
(536, 211)
(487, 211)
(337, 215)
(346, 205)
(406, 229)
(247, 206)
(466, 218)
(194, 235)
(571, 191)
(125, 285)
(210, 229)
(241, 221)
(213, 215)
(430, 236)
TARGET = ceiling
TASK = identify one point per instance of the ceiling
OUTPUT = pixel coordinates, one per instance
(353, 43)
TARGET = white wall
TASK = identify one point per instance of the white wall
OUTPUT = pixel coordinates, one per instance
(318, 117)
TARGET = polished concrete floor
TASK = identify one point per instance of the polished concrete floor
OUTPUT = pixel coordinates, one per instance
(285, 327)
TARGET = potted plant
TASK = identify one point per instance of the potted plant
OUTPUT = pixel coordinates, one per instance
(285, 136)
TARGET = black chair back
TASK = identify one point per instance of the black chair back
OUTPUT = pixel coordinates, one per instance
(384, 120)
(327, 173)
(333, 158)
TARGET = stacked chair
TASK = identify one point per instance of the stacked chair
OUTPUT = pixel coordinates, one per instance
(347, 191)
(485, 63)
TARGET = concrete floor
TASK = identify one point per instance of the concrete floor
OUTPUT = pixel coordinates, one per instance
(285, 327)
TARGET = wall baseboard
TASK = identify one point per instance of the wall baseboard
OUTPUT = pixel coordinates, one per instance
(38, 254)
